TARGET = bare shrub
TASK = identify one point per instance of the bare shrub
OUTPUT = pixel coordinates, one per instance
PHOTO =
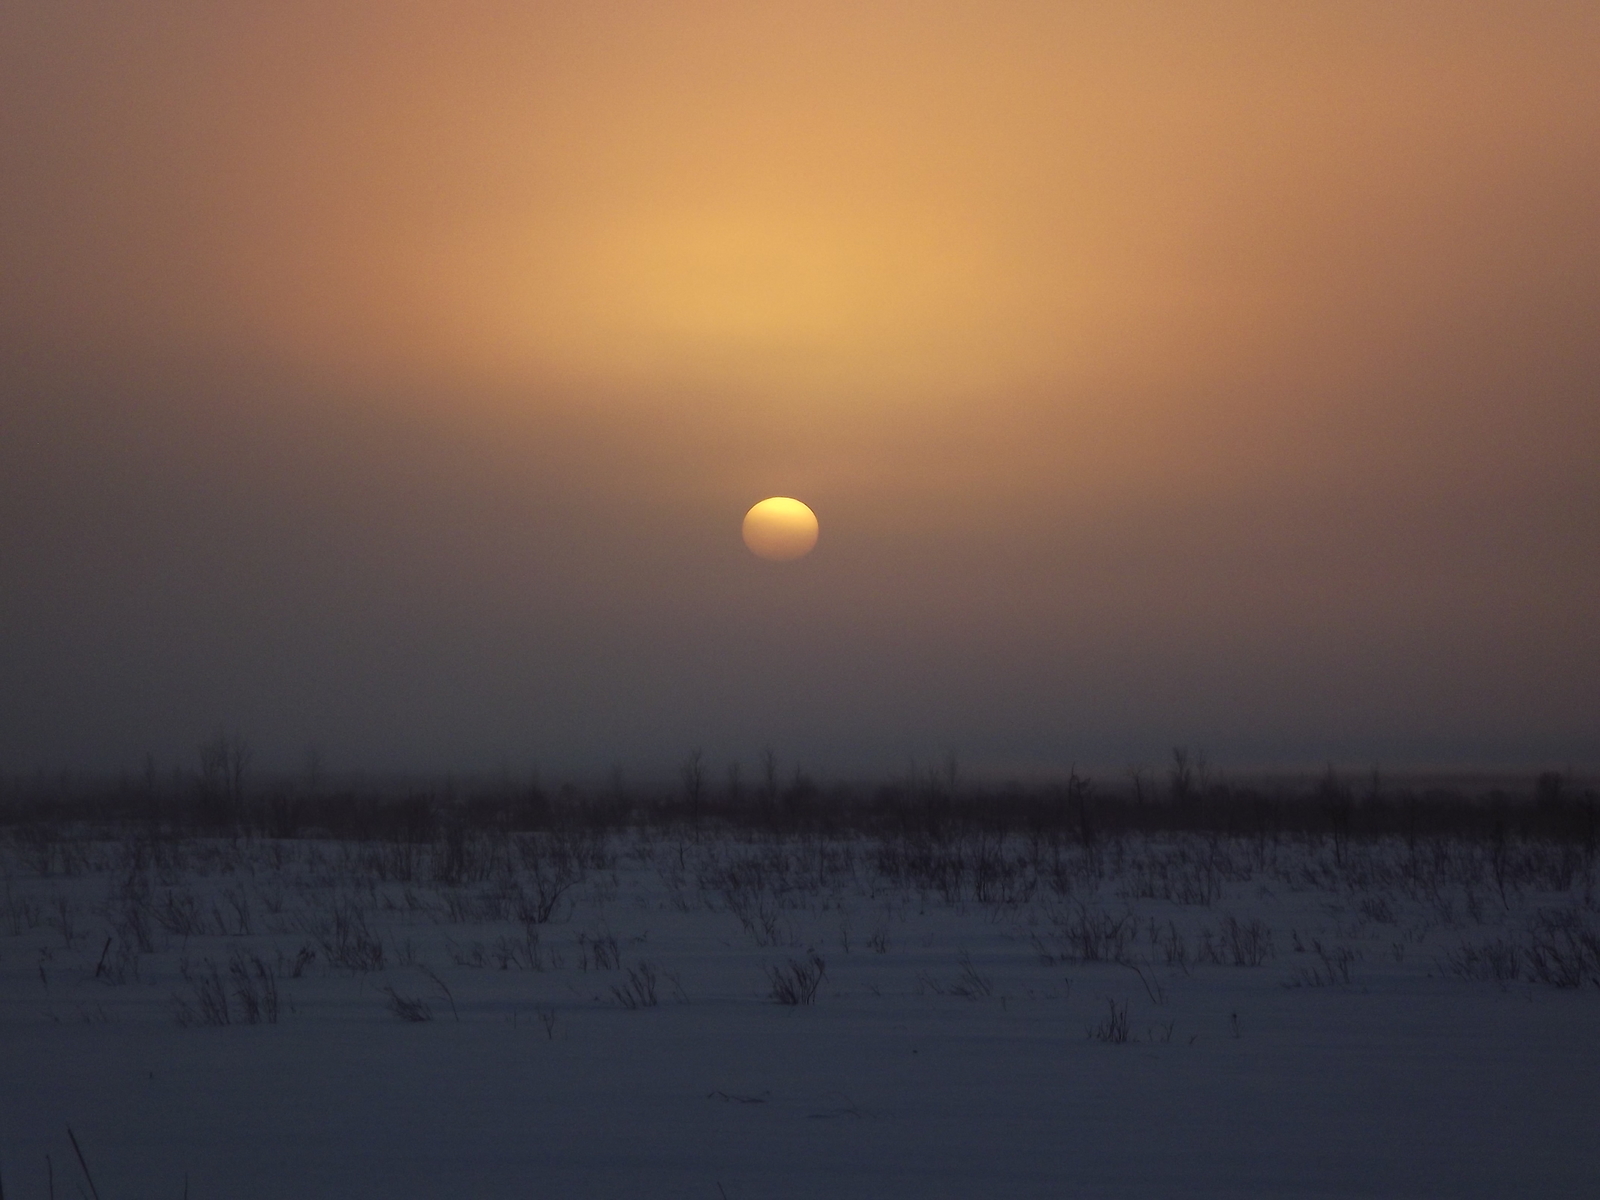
(639, 991)
(1113, 1027)
(481, 907)
(1562, 948)
(598, 951)
(129, 912)
(119, 968)
(1334, 968)
(294, 968)
(207, 1002)
(1246, 945)
(1378, 910)
(408, 1008)
(524, 953)
(239, 905)
(255, 988)
(180, 913)
(348, 942)
(1174, 948)
(1097, 936)
(761, 920)
(1497, 959)
(797, 982)
(969, 982)
(444, 989)
(553, 868)
(474, 954)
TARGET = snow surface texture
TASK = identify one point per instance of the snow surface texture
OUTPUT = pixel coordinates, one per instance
(556, 1015)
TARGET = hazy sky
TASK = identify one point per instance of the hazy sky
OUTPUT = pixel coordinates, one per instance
(393, 378)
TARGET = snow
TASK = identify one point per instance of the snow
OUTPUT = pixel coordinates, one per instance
(955, 1047)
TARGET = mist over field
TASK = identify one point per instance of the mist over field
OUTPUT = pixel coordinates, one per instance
(396, 386)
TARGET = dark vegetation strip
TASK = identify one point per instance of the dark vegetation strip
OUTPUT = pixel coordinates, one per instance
(1548, 808)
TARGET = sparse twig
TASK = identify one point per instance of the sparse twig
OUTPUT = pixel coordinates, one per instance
(1152, 986)
(443, 987)
(78, 1150)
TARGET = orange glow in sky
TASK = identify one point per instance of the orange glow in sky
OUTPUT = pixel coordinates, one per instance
(1168, 368)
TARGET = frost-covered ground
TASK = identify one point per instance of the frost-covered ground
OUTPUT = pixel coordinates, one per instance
(556, 1015)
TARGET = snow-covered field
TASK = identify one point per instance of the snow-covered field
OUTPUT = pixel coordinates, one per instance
(604, 1015)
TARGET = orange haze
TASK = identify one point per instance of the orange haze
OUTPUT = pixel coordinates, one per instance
(394, 378)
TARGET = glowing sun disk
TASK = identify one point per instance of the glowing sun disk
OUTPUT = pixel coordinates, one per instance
(780, 528)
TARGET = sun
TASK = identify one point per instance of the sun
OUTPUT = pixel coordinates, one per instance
(780, 528)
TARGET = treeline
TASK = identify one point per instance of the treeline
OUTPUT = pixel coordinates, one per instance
(1080, 808)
